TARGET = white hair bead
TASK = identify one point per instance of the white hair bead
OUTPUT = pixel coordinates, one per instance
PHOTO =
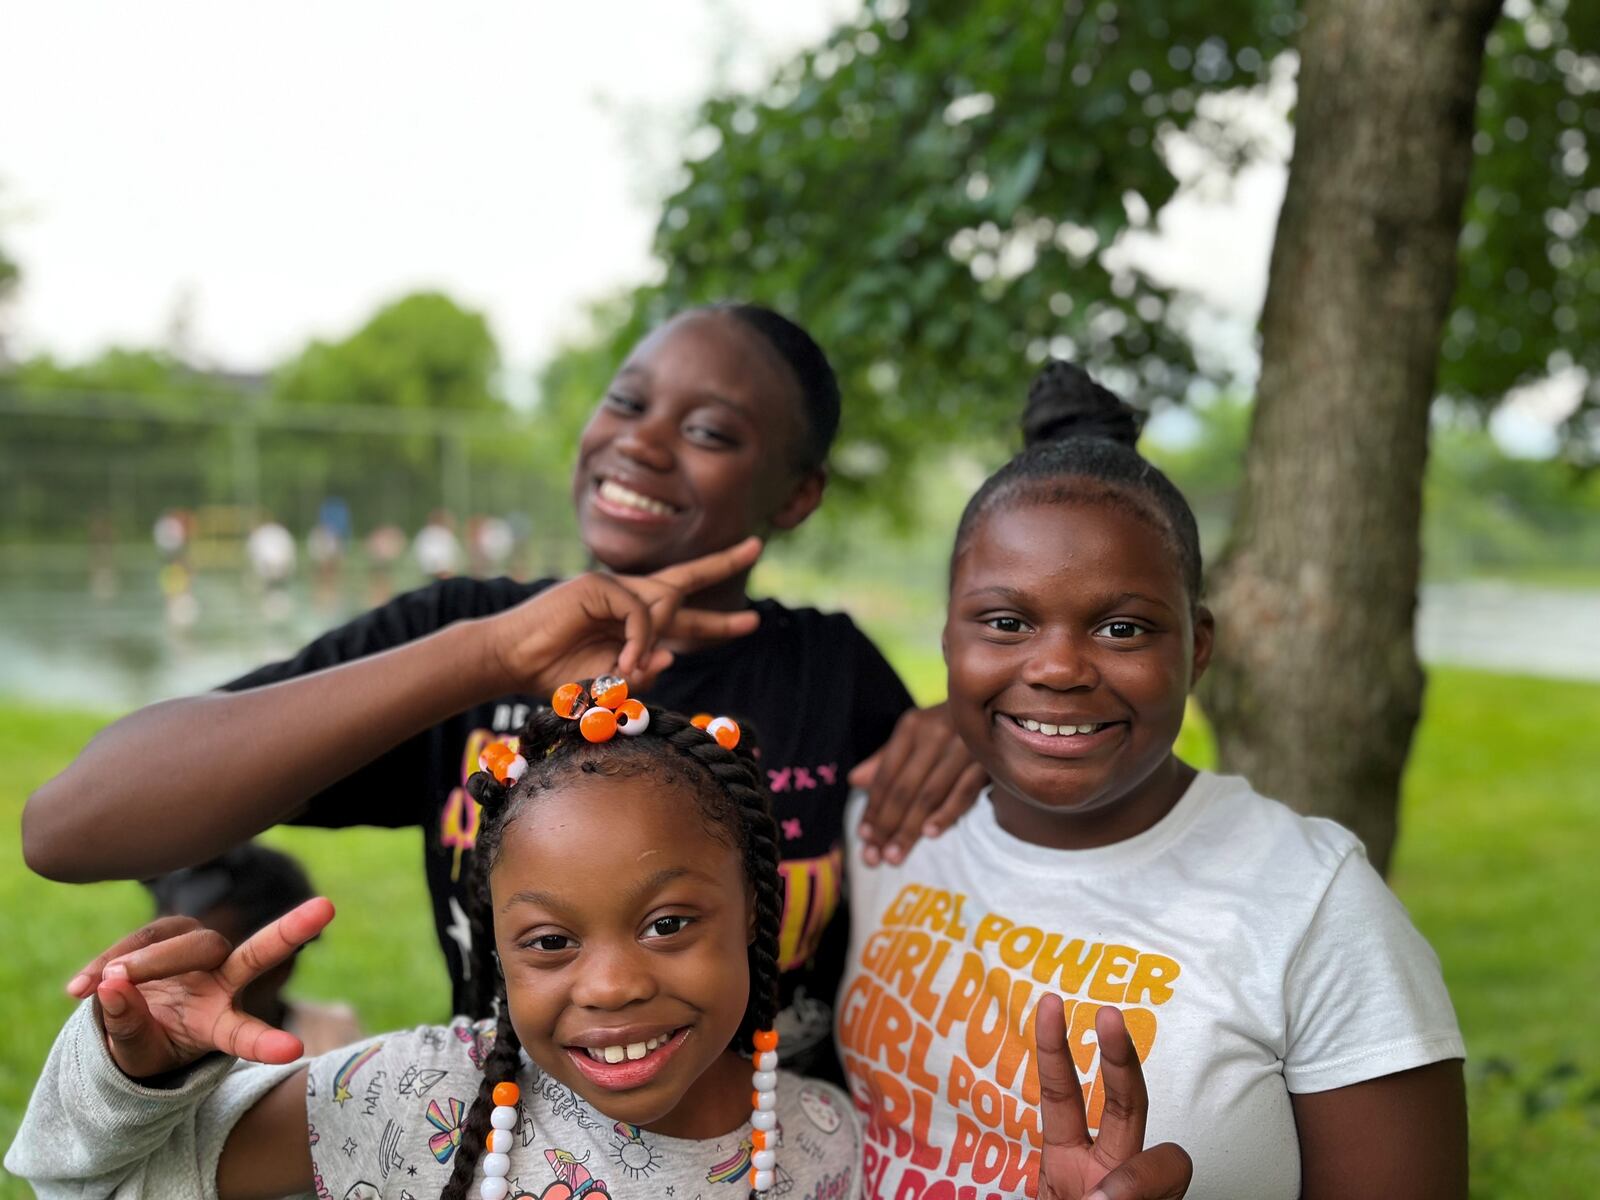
(503, 1117)
(764, 1160)
(764, 1119)
(515, 769)
(766, 1060)
(766, 1101)
(764, 1181)
(494, 1188)
(497, 1165)
(764, 1081)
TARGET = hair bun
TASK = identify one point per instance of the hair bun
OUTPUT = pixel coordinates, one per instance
(488, 791)
(1063, 402)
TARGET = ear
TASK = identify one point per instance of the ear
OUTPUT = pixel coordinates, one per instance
(1205, 635)
(803, 501)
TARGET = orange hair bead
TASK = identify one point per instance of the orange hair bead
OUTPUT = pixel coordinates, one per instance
(766, 1039)
(610, 691)
(758, 1139)
(506, 1094)
(598, 724)
(700, 720)
(726, 731)
(565, 700)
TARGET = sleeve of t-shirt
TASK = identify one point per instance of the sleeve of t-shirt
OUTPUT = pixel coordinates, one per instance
(878, 694)
(1364, 993)
(388, 790)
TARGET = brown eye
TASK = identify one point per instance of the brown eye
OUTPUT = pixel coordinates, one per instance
(666, 926)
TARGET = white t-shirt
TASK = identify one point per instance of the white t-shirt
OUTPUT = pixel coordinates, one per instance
(1253, 951)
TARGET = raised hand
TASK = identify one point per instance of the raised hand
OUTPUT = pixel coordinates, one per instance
(597, 623)
(1115, 1165)
(166, 993)
(918, 784)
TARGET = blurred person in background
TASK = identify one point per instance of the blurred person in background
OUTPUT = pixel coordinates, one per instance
(714, 431)
(236, 894)
(272, 554)
(436, 547)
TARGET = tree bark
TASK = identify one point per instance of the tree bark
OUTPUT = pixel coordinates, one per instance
(1317, 688)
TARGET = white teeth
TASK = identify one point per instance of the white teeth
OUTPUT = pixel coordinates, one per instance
(626, 496)
(1050, 730)
(632, 1051)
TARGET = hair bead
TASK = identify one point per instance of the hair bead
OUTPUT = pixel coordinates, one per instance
(566, 699)
(633, 718)
(725, 730)
(598, 724)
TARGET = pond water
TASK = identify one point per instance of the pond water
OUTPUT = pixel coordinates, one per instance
(61, 645)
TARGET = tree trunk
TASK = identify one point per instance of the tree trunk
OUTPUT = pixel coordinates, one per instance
(1316, 689)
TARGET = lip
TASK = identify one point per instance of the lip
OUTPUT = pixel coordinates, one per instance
(1055, 745)
(629, 1073)
(622, 512)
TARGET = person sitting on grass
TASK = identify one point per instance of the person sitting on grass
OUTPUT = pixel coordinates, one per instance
(628, 891)
(716, 428)
(237, 894)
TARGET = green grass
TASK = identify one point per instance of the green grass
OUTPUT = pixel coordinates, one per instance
(1500, 824)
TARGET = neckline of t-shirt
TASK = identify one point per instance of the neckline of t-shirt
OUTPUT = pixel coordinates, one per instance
(534, 1077)
(1015, 853)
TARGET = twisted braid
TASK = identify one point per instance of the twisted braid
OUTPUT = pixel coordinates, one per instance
(488, 993)
(502, 1063)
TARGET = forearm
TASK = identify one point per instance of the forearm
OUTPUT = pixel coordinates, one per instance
(182, 781)
(91, 1131)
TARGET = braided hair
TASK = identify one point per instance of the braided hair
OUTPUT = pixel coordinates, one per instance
(733, 802)
(1079, 443)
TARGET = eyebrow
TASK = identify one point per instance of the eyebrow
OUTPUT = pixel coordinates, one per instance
(700, 394)
(653, 883)
(1012, 595)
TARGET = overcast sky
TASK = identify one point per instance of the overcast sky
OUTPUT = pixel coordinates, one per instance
(282, 169)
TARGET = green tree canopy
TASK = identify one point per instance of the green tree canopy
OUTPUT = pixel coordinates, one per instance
(933, 191)
(423, 351)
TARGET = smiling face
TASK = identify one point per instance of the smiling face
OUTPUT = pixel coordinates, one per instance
(622, 926)
(1071, 648)
(695, 446)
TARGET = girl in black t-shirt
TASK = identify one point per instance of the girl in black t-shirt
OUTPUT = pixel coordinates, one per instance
(716, 428)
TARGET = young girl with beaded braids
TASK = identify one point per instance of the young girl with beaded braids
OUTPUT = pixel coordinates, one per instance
(627, 887)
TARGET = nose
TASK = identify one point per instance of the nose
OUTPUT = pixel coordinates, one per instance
(1062, 661)
(647, 442)
(613, 978)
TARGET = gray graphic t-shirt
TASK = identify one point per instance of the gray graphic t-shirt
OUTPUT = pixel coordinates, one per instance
(386, 1116)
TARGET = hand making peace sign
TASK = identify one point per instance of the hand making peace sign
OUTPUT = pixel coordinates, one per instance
(1115, 1165)
(166, 993)
(598, 623)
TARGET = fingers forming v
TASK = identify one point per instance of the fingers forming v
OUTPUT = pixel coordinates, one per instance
(698, 573)
(268, 947)
(196, 950)
(1127, 1105)
(1061, 1109)
(85, 981)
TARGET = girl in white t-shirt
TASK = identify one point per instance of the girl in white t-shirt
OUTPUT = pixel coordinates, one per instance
(1295, 1031)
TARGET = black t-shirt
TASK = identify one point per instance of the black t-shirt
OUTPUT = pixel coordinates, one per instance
(818, 693)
